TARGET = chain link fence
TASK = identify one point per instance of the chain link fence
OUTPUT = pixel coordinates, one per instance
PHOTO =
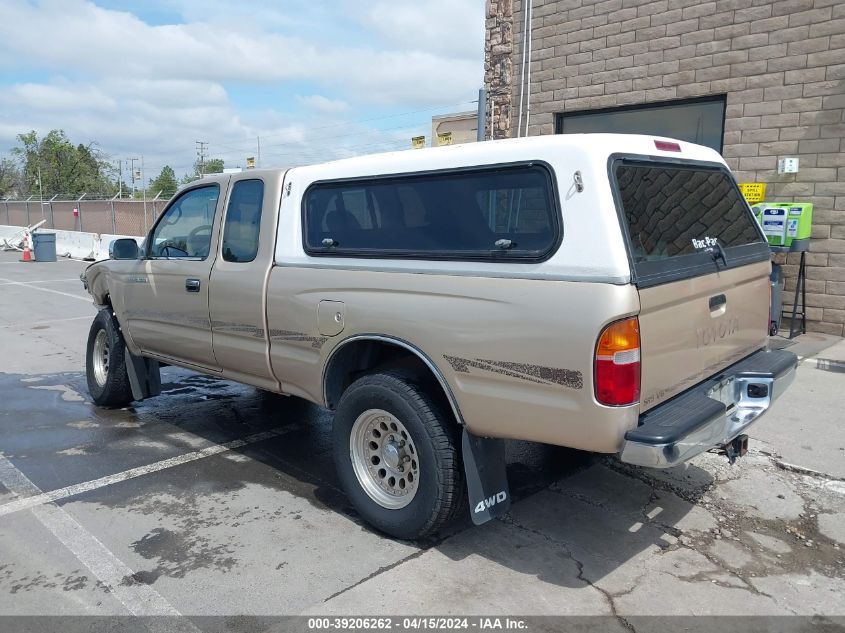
(116, 217)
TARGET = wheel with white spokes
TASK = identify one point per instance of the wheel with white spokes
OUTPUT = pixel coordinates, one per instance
(108, 380)
(397, 455)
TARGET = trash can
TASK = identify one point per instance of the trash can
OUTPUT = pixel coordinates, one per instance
(44, 245)
(776, 307)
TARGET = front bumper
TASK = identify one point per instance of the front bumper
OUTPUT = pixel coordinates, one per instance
(712, 413)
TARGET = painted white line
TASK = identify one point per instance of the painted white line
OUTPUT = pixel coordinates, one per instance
(58, 292)
(37, 281)
(139, 599)
(34, 323)
(30, 501)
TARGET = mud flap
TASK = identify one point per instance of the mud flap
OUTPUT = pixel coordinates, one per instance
(144, 375)
(487, 480)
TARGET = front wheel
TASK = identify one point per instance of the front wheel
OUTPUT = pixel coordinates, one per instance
(105, 363)
(397, 455)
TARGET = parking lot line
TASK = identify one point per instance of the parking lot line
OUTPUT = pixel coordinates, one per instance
(138, 598)
(10, 282)
(40, 498)
(37, 281)
(36, 323)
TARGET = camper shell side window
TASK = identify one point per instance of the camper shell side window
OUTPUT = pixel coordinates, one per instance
(501, 212)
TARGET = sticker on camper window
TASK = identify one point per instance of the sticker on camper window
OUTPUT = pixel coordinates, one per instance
(705, 242)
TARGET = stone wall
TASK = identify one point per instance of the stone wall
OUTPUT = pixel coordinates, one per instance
(781, 64)
(498, 67)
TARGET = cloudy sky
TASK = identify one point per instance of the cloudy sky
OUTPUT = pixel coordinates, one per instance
(315, 79)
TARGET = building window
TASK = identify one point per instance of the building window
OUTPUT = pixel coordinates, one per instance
(700, 121)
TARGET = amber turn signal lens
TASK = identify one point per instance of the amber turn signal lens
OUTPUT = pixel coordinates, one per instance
(617, 363)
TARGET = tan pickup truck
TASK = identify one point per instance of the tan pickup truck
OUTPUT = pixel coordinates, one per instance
(608, 293)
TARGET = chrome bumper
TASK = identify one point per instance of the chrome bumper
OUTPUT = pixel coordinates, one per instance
(712, 413)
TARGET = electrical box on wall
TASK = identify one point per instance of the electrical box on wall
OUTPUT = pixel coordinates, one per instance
(788, 166)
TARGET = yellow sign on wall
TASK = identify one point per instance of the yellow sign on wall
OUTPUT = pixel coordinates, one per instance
(418, 142)
(444, 138)
(753, 192)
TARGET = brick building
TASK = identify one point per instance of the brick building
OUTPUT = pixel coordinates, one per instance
(757, 80)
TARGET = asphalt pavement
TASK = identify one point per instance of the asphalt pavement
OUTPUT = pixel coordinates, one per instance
(218, 499)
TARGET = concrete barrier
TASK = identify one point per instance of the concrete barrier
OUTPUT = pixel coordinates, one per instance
(74, 244)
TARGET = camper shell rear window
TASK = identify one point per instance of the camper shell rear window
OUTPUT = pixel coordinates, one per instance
(683, 219)
(502, 212)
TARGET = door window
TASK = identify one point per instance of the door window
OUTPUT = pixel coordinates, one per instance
(243, 221)
(184, 230)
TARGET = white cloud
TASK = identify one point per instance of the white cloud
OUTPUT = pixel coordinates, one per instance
(451, 27)
(137, 87)
(324, 104)
(60, 97)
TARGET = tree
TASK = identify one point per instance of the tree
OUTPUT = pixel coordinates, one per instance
(53, 165)
(211, 166)
(165, 182)
(10, 178)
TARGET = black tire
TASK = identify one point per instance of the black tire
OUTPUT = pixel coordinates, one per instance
(440, 489)
(115, 390)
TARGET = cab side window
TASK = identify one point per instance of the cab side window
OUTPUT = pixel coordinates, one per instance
(243, 221)
(184, 230)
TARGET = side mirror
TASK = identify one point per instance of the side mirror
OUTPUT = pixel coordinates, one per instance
(123, 248)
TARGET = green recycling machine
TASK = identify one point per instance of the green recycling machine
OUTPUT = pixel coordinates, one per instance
(787, 226)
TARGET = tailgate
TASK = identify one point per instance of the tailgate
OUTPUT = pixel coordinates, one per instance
(691, 329)
(701, 265)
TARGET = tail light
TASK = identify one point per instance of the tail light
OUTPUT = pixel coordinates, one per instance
(617, 367)
(667, 146)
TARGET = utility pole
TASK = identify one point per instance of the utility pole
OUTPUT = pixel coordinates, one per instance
(258, 141)
(120, 179)
(482, 115)
(201, 148)
(40, 189)
(131, 162)
(144, 185)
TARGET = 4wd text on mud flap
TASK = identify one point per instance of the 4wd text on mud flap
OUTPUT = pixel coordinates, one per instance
(489, 502)
(707, 335)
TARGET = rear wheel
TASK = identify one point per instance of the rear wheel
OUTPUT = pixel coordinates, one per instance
(108, 380)
(397, 455)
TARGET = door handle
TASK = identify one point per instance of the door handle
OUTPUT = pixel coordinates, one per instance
(717, 302)
(192, 285)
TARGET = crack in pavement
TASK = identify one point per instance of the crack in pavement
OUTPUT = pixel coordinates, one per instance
(609, 597)
(379, 572)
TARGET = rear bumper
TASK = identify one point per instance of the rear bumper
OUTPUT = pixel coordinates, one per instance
(712, 413)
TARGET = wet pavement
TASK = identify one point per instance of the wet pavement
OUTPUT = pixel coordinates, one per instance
(219, 499)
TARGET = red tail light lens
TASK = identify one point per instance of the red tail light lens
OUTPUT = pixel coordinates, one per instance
(667, 146)
(617, 365)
